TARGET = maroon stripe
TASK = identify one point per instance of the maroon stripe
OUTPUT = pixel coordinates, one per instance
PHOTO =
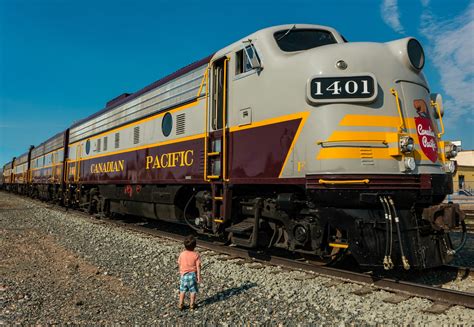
(259, 153)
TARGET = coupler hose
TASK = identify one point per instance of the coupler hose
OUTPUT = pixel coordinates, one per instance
(390, 262)
(386, 264)
(406, 265)
(463, 239)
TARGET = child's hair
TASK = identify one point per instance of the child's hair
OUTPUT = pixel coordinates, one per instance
(190, 243)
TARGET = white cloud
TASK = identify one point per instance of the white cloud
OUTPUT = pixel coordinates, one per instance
(391, 15)
(425, 3)
(451, 49)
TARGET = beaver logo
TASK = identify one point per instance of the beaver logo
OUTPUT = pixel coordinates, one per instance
(425, 131)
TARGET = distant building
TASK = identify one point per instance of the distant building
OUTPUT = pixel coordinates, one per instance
(464, 177)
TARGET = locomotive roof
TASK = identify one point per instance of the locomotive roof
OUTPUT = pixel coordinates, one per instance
(125, 98)
(51, 138)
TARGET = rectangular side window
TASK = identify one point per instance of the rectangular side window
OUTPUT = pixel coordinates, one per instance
(243, 59)
(117, 140)
(105, 143)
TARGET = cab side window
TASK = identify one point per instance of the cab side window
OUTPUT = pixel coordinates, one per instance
(244, 58)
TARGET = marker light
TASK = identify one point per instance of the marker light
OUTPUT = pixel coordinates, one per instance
(410, 163)
(451, 151)
(406, 144)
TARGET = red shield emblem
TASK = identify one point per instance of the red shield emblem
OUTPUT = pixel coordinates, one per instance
(426, 137)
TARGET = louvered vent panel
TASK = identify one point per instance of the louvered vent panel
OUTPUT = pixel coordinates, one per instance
(136, 135)
(105, 143)
(366, 157)
(180, 123)
(117, 140)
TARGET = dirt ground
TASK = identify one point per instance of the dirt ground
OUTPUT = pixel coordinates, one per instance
(30, 256)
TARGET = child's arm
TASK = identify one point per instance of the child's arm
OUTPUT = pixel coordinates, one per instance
(198, 267)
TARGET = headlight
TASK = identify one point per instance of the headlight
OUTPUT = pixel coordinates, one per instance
(450, 166)
(410, 163)
(451, 151)
(406, 144)
(416, 54)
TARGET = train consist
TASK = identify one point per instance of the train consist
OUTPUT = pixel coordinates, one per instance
(291, 137)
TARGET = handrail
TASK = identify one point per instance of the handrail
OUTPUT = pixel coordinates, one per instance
(224, 124)
(397, 99)
(206, 122)
(202, 82)
(351, 141)
(66, 171)
(436, 105)
(351, 181)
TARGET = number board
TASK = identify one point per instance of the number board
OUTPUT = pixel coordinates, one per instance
(326, 89)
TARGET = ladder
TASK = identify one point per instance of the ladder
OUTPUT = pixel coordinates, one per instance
(215, 143)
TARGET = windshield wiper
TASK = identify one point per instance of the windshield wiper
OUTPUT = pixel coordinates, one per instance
(287, 32)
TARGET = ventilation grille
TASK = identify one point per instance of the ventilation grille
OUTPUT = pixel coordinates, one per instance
(105, 143)
(98, 145)
(117, 140)
(180, 123)
(136, 135)
(366, 157)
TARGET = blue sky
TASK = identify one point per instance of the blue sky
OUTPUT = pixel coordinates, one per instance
(63, 60)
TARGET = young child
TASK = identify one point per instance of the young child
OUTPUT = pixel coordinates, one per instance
(190, 270)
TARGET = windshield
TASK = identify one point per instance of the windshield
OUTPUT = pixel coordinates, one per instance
(302, 39)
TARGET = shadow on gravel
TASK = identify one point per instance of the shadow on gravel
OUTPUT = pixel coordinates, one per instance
(224, 295)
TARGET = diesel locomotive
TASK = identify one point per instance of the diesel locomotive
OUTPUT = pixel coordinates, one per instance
(291, 137)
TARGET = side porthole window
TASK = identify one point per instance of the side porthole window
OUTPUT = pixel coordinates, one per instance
(88, 146)
(167, 124)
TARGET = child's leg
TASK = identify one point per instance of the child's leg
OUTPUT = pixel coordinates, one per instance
(181, 298)
(193, 299)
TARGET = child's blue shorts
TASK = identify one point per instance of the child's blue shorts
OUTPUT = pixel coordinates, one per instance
(188, 283)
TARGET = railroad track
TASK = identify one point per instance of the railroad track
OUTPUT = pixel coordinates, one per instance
(469, 220)
(402, 290)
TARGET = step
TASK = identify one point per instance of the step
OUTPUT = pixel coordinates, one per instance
(242, 227)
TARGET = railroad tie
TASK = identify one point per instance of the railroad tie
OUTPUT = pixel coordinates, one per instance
(396, 298)
(437, 308)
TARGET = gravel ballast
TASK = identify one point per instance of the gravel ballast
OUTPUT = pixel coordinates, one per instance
(57, 267)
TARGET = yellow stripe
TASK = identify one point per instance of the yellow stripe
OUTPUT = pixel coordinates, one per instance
(353, 153)
(304, 117)
(361, 136)
(137, 122)
(182, 139)
(368, 136)
(364, 153)
(371, 120)
(357, 136)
